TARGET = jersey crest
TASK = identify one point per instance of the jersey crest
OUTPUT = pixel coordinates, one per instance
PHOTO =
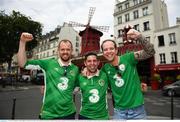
(101, 82)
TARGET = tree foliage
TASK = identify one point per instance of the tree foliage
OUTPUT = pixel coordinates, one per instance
(11, 27)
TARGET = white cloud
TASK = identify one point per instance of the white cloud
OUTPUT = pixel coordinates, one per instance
(54, 12)
(173, 10)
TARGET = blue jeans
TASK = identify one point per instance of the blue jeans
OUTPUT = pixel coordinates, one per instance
(133, 113)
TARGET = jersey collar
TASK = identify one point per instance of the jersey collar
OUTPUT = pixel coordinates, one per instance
(62, 64)
(97, 74)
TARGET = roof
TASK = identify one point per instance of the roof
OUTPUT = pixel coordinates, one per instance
(90, 29)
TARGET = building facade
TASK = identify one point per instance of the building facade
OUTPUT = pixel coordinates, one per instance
(47, 46)
(167, 45)
(150, 17)
(145, 15)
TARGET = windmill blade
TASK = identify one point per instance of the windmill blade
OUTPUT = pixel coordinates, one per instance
(101, 28)
(76, 24)
(91, 13)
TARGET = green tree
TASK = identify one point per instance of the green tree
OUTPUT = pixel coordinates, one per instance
(11, 27)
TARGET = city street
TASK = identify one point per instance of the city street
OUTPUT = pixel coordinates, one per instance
(29, 99)
(158, 105)
(28, 103)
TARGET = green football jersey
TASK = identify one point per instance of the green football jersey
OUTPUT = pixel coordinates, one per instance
(124, 82)
(94, 92)
(59, 86)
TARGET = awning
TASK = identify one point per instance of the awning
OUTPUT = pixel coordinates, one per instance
(164, 67)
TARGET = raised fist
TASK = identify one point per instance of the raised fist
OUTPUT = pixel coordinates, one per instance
(125, 30)
(133, 34)
(26, 37)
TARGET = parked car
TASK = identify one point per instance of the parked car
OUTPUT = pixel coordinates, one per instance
(26, 78)
(39, 79)
(172, 89)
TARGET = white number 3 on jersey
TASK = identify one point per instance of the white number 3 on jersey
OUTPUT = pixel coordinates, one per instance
(64, 84)
(94, 98)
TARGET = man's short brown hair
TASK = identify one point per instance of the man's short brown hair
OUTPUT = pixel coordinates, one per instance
(89, 54)
(65, 40)
(115, 45)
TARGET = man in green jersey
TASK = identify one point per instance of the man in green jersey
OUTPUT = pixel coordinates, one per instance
(123, 77)
(93, 88)
(60, 76)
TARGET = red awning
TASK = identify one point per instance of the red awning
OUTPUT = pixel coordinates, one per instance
(165, 67)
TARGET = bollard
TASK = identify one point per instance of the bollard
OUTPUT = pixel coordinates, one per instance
(172, 104)
(13, 109)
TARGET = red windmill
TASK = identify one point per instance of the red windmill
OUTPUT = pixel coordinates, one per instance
(90, 35)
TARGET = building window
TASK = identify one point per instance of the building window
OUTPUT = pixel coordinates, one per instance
(148, 38)
(145, 11)
(46, 47)
(77, 44)
(146, 26)
(54, 44)
(93, 43)
(119, 8)
(47, 54)
(120, 20)
(77, 39)
(174, 57)
(162, 58)
(126, 17)
(44, 55)
(135, 2)
(53, 52)
(126, 5)
(120, 33)
(140, 1)
(172, 38)
(88, 43)
(136, 14)
(136, 27)
(161, 41)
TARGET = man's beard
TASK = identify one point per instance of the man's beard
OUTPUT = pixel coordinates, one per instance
(65, 60)
(92, 71)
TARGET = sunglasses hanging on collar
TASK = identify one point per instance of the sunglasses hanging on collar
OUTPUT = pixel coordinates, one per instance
(118, 70)
(65, 70)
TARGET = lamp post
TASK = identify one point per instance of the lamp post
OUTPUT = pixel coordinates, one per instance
(172, 104)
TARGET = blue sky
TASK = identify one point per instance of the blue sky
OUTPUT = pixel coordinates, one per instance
(54, 12)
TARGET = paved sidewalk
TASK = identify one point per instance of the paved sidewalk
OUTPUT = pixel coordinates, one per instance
(30, 86)
(159, 118)
(18, 88)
